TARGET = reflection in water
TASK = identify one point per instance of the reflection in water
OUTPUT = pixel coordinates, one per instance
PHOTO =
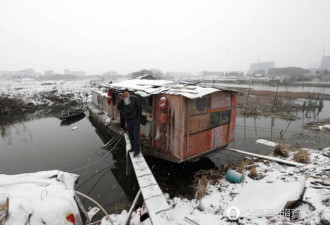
(8, 125)
(249, 129)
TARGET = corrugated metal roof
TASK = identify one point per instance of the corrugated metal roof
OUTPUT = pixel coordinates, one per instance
(151, 87)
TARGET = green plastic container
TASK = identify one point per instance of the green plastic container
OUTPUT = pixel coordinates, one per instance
(234, 176)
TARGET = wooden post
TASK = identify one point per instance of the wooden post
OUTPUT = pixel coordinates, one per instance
(278, 84)
(187, 127)
(247, 99)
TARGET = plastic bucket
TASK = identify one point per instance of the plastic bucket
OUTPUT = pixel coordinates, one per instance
(233, 176)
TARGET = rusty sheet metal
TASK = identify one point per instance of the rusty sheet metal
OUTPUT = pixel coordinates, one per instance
(206, 140)
(220, 100)
(175, 124)
(199, 142)
(220, 136)
(157, 131)
(172, 133)
(199, 123)
(232, 119)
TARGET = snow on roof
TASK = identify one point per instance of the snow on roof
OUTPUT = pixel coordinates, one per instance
(152, 87)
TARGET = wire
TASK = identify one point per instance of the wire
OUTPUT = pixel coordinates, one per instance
(99, 159)
(111, 141)
(88, 179)
(95, 202)
(81, 161)
(97, 154)
(94, 185)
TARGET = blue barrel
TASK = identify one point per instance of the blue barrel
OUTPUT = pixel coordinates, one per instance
(233, 176)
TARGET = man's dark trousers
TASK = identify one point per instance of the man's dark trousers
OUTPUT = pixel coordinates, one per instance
(122, 121)
(133, 128)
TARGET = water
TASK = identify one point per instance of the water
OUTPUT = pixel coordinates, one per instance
(33, 143)
(30, 145)
(249, 129)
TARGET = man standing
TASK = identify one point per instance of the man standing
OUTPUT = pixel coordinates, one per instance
(130, 106)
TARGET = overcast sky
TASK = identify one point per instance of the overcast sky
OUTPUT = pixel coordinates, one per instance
(97, 36)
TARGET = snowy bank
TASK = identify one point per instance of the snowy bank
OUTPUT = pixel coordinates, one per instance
(260, 201)
(35, 92)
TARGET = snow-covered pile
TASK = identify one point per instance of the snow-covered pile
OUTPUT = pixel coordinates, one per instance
(324, 127)
(261, 201)
(40, 198)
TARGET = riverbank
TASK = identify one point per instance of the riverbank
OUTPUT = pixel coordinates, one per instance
(26, 96)
(283, 105)
(271, 193)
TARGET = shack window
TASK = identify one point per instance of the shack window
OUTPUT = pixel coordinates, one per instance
(200, 105)
(220, 118)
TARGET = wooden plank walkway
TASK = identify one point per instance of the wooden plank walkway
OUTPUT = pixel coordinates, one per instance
(159, 211)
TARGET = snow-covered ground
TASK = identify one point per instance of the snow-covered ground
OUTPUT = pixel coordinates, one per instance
(31, 90)
(259, 201)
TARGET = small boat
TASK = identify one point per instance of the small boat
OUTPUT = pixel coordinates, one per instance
(67, 122)
(71, 114)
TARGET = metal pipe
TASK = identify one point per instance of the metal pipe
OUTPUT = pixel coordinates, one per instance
(132, 207)
(96, 203)
(190, 221)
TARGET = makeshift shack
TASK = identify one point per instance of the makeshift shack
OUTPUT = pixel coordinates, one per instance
(181, 121)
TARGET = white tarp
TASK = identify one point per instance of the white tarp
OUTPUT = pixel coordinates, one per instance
(45, 197)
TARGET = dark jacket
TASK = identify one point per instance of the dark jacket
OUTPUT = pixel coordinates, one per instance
(133, 110)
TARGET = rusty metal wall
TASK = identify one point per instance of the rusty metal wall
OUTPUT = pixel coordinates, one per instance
(171, 134)
(232, 118)
(220, 100)
(202, 136)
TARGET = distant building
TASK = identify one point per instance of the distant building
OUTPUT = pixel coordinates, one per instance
(325, 63)
(110, 74)
(213, 73)
(146, 77)
(75, 73)
(49, 73)
(261, 67)
(26, 73)
(289, 73)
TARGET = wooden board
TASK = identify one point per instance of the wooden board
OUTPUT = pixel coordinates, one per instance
(287, 162)
(158, 209)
